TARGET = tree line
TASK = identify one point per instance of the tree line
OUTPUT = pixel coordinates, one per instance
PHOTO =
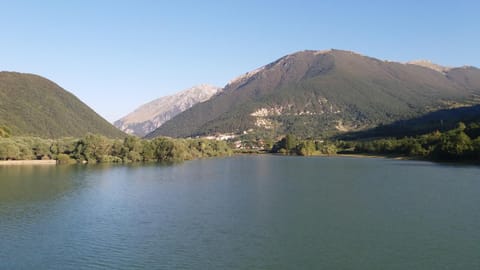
(459, 144)
(100, 149)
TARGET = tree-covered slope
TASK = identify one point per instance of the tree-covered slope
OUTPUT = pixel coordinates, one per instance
(314, 93)
(32, 105)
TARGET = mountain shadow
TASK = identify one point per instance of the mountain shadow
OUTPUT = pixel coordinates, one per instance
(441, 120)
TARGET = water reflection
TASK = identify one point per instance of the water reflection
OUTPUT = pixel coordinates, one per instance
(249, 212)
(35, 183)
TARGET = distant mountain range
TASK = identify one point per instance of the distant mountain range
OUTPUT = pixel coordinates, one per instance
(308, 93)
(152, 115)
(323, 93)
(34, 106)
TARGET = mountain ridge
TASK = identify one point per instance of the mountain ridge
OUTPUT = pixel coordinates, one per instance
(313, 93)
(153, 114)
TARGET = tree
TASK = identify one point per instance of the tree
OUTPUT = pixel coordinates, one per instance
(64, 159)
(286, 145)
(26, 152)
(148, 151)
(63, 146)
(476, 148)
(290, 142)
(328, 149)
(454, 144)
(41, 148)
(306, 148)
(134, 156)
(118, 149)
(133, 143)
(163, 150)
(268, 144)
(95, 147)
(8, 150)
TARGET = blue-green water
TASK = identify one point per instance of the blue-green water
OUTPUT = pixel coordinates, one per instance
(251, 212)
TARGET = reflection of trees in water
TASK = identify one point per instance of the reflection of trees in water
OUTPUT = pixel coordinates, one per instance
(36, 183)
(29, 184)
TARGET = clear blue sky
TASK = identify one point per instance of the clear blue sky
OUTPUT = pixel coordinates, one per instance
(116, 55)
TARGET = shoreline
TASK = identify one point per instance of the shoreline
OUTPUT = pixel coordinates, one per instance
(372, 156)
(352, 155)
(27, 162)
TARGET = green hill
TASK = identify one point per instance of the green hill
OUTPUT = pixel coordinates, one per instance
(34, 106)
(321, 93)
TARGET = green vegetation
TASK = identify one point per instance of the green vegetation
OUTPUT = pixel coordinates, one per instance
(34, 106)
(5, 132)
(459, 144)
(291, 145)
(100, 149)
(312, 94)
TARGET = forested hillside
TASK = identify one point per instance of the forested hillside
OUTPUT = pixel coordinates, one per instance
(34, 106)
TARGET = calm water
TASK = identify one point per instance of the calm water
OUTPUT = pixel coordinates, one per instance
(252, 212)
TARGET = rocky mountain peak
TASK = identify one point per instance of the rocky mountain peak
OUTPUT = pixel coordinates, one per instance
(153, 114)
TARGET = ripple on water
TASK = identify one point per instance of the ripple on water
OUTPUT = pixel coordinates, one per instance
(254, 212)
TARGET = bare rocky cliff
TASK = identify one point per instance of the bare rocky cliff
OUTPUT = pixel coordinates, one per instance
(152, 115)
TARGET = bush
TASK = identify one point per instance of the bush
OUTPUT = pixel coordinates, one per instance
(8, 150)
(110, 159)
(64, 159)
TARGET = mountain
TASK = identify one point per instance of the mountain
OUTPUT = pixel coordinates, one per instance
(152, 115)
(34, 106)
(321, 93)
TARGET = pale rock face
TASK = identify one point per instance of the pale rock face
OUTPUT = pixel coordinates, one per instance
(430, 65)
(263, 115)
(152, 115)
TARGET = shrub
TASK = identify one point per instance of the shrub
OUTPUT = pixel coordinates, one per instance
(64, 159)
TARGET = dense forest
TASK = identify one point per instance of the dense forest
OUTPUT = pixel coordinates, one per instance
(100, 149)
(31, 105)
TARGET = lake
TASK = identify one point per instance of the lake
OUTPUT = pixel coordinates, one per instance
(244, 212)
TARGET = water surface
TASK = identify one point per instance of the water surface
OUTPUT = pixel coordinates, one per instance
(249, 212)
